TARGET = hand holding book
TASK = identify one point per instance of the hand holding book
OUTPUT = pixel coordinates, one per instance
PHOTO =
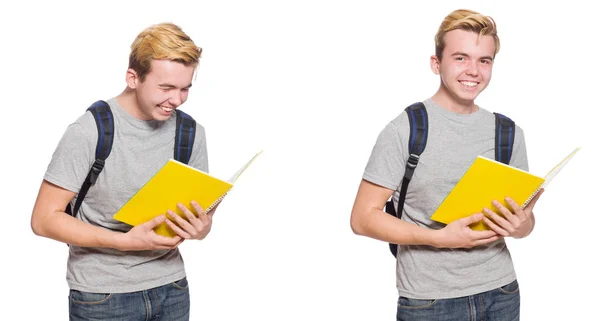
(515, 221)
(195, 225)
(185, 184)
(474, 192)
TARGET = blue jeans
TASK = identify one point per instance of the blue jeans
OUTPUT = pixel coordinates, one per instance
(501, 304)
(168, 302)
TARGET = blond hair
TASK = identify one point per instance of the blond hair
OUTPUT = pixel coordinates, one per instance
(468, 20)
(162, 41)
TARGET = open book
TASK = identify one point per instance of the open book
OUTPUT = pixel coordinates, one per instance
(176, 183)
(487, 180)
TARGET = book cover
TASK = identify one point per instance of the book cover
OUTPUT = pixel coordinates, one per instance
(175, 183)
(487, 180)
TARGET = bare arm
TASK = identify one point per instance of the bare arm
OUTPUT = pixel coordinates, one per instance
(50, 220)
(370, 220)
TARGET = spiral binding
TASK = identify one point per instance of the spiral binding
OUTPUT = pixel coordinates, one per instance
(216, 202)
(532, 196)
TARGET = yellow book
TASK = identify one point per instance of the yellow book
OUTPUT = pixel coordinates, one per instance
(487, 180)
(175, 183)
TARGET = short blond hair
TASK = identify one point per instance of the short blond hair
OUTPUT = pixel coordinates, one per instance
(162, 41)
(468, 20)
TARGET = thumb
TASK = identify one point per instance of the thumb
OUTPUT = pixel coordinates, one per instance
(471, 219)
(535, 198)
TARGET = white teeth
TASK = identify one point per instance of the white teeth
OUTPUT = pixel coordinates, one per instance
(469, 83)
(166, 109)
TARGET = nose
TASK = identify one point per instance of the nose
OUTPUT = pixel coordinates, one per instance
(177, 98)
(473, 68)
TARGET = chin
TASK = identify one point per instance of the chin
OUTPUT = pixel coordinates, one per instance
(160, 117)
(163, 118)
(467, 96)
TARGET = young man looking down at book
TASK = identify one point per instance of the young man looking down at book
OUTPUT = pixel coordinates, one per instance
(447, 272)
(116, 272)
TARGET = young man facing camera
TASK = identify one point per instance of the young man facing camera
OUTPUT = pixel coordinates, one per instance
(447, 272)
(116, 272)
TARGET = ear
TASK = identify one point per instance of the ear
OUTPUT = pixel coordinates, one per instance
(132, 79)
(434, 63)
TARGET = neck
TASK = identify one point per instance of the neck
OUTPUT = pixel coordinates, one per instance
(454, 104)
(128, 101)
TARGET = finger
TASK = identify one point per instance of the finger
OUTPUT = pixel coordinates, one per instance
(165, 242)
(487, 240)
(495, 227)
(182, 223)
(535, 199)
(178, 243)
(508, 214)
(201, 213)
(479, 235)
(186, 211)
(194, 226)
(154, 222)
(180, 220)
(178, 229)
(517, 215)
(471, 219)
(516, 208)
(499, 220)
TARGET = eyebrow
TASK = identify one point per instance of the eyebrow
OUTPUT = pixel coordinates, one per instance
(165, 85)
(458, 53)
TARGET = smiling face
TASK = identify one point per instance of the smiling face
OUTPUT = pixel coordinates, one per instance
(163, 89)
(465, 67)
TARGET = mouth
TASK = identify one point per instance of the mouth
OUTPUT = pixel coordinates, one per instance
(167, 109)
(468, 84)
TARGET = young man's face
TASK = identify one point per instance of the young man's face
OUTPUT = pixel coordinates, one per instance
(466, 65)
(165, 88)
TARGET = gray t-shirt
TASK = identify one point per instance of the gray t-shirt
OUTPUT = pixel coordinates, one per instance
(140, 148)
(454, 141)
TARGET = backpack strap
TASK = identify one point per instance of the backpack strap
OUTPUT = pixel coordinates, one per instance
(184, 141)
(419, 126)
(185, 132)
(417, 116)
(106, 129)
(505, 137)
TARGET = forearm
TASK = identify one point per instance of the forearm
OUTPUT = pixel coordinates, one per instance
(379, 225)
(65, 228)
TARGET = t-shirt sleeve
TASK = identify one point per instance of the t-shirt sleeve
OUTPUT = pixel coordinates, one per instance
(386, 163)
(519, 155)
(74, 155)
(199, 157)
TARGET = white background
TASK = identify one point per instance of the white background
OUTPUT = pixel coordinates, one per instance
(312, 83)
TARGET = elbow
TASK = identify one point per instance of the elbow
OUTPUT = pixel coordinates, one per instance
(356, 225)
(36, 229)
(37, 225)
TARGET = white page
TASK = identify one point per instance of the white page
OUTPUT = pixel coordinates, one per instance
(238, 173)
(548, 178)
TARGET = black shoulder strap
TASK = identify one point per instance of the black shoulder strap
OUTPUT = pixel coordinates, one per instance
(185, 132)
(417, 116)
(419, 126)
(106, 129)
(505, 137)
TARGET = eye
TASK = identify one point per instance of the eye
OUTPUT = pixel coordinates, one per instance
(486, 61)
(459, 58)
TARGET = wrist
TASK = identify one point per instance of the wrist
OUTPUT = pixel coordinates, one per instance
(433, 238)
(117, 241)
